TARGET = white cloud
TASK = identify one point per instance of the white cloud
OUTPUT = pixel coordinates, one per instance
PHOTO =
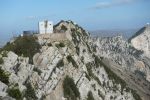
(31, 17)
(113, 3)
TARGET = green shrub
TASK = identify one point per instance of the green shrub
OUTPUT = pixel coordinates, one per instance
(64, 28)
(70, 59)
(60, 63)
(4, 77)
(100, 94)
(1, 61)
(135, 95)
(49, 44)
(91, 74)
(87, 76)
(37, 70)
(26, 46)
(4, 54)
(30, 92)
(60, 45)
(97, 60)
(89, 49)
(77, 50)
(71, 92)
(15, 93)
(90, 96)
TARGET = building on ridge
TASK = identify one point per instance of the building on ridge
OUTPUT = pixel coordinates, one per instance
(46, 27)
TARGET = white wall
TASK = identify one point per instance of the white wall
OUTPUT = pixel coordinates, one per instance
(43, 30)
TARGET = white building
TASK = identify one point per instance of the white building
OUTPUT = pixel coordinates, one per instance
(45, 27)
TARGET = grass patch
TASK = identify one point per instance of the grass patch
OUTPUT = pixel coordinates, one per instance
(90, 96)
(49, 44)
(15, 92)
(4, 77)
(71, 92)
(60, 45)
(100, 94)
(70, 59)
(1, 61)
(135, 95)
(26, 46)
(90, 72)
(37, 70)
(30, 92)
(60, 63)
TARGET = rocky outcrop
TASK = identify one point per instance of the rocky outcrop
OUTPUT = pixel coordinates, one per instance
(76, 57)
(141, 40)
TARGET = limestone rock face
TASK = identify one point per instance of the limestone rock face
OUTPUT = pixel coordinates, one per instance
(79, 57)
(3, 89)
(142, 40)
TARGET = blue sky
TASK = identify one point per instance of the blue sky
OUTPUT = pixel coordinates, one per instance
(19, 15)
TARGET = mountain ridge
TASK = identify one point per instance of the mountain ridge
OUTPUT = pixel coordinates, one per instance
(65, 69)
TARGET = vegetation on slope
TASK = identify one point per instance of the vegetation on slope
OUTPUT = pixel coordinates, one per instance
(71, 92)
(70, 59)
(1, 60)
(26, 46)
(91, 74)
(117, 79)
(90, 96)
(15, 92)
(4, 77)
(30, 92)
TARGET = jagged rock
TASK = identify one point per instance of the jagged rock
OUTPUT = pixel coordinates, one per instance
(10, 61)
(76, 59)
(7, 98)
(140, 40)
(3, 89)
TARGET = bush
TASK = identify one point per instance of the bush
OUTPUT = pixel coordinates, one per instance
(37, 70)
(49, 44)
(70, 59)
(71, 92)
(4, 77)
(96, 59)
(91, 74)
(4, 54)
(1, 61)
(90, 96)
(26, 46)
(15, 93)
(135, 95)
(77, 50)
(100, 94)
(30, 93)
(64, 28)
(60, 63)
(60, 45)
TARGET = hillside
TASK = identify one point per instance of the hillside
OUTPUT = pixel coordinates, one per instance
(68, 68)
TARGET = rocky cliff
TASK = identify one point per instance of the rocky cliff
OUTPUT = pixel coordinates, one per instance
(141, 39)
(74, 68)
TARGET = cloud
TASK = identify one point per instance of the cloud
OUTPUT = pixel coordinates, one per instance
(113, 3)
(30, 17)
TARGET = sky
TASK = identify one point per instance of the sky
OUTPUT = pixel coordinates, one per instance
(19, 15)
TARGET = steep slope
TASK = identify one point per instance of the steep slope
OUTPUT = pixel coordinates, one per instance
(127, 62)
(141, 39)
(65, 68)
